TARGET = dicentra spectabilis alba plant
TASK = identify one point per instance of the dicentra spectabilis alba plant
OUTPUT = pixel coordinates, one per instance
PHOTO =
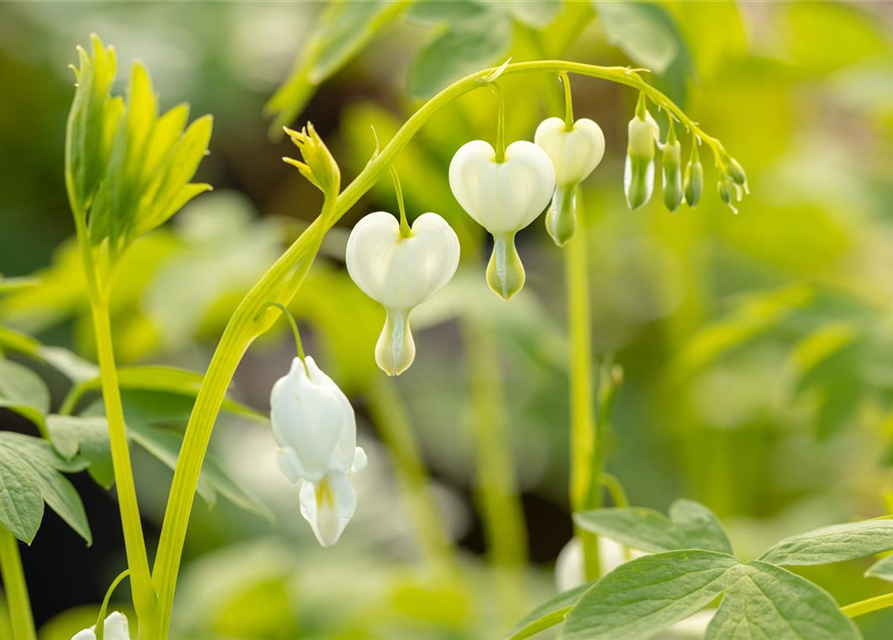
(503, 190)
(638, 172)
(575, 148)
(316, 430)
(400, 267)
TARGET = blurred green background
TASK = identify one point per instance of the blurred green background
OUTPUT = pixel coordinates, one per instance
(757, 348)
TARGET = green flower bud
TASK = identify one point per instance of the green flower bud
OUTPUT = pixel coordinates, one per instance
(319, 167)
(561, 219)
(671, 169)
(505, 273)
(694, 178)
(638, 174)
(724, 187)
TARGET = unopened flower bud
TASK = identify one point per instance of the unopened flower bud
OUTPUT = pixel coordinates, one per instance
(725, 187)
(319, 166)
(638, 175)
(400, 272)
(503, 197)
(316, 430)
(574, 154)
(693, 182)
(671, 170)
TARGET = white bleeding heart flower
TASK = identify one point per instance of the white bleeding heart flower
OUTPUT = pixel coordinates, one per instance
(575, 153)
(503, 197)
(400, 272)
(570, 573)
(316, 430)
(114, 628)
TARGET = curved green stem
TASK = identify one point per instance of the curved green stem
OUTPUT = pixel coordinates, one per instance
(500, 123)
(15, 587)
(405, 231)
(285, 276)
(568, 102)
(499, 504)
(585, 456)
(292, 323)
(867, 606)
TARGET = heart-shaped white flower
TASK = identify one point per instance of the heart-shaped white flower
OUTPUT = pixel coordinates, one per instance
(575, 153)
(400, 273)
(503, 197)
(113, 628)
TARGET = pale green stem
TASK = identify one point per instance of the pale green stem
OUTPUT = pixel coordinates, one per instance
(238, 334)
(584, 442)
(15, 587)
(867, 606)
(500, 507)
(500, 123)
(568, 102)
(405, 230)
(389, 416)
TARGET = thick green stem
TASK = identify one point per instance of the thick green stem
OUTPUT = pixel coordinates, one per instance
(585, 458)
(239, 330)
(15, 587)
(501, 510)
(390, 418)
(144, 600)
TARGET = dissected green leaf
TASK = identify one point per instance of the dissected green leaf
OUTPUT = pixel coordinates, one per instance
(553, 611)
(882, 569)
(70, 364)
(690, 526)
(642, 31)
(467, 46)
(62, 498)
(535, 13)
(647, 595)
(89, 437)
(836, 543)
(12, 340)
(22, 391)
(770, 603)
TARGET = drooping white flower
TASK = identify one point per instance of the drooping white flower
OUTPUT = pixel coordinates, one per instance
(574, 153)
(570, 573)
(503, 197)
(400, 272)
(316, 430)
(114, 628)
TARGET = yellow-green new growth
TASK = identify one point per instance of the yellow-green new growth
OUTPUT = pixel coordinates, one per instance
(319, 167)
(128, 170)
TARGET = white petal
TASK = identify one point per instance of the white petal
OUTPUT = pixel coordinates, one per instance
(506, 196)
(570, 571)
(115, 627)
(694, 626)
(574, 154)
(290, 465)
(328, 506)
(398, 272)
(308, 416)
(86, 634)
(360, 460)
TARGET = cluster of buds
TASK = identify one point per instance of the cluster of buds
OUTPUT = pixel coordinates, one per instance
(679, 185)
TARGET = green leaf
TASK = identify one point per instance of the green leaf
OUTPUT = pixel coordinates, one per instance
(21, 504)
(22, 391)
(771, 603)
(837, 543)
(36, 464)
(643, 597)
(12, 340)
(641, 31)
(882, 569)
(467, 46)
(553, 611)
(437, 12)
(89, 437)
(9, 285)
(690, 526)
(343, 30)
(70, 364)
(535, 13)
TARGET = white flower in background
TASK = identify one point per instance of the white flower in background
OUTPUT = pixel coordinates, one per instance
(570, 572)
(114, 628)
(575, 153)
(638, 174)
(503, 197)
(400, 270)
(316, 430)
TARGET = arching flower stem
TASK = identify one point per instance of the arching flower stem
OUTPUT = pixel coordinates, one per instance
(568, 102)
(299, 346)
(405, 230)
(282, 280)
(500, 122)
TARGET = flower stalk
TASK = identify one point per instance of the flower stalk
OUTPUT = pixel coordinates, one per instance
(14, 585)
